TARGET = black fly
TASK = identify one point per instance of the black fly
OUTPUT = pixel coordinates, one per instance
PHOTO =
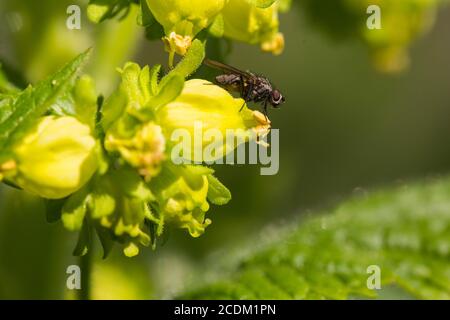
(252, 87)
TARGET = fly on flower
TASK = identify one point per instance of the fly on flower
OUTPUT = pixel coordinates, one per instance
(252, 87)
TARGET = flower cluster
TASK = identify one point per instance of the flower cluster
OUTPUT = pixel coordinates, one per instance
(246, 21)
(106, 166)
(179, 22)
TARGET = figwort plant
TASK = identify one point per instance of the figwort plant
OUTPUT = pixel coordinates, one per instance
(104, 165)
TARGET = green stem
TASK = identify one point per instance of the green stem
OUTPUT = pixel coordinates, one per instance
(171, 58)
(86, 274)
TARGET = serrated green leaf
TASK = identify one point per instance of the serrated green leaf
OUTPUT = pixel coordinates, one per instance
(6, 106)
(34, 102)
(218, 194)
(405, 232)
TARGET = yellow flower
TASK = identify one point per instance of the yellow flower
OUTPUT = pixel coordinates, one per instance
(176, 43)
(205, 114)
(244, 21)
(183, 17)
(182, 193)
(55, 158)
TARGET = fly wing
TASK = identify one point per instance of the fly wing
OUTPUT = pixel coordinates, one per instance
(226, 68)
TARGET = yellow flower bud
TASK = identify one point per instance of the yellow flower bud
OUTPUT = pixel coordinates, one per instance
(185, 18)
(55, 158)
(208, 113)
(244, 21)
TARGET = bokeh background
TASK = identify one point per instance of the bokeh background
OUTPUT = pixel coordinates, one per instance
(344, 129)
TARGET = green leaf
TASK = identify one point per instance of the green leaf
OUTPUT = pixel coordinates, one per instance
(6, 106)
(404, 231)
(81, 102)
(218, 194)
(34, 102)
(153, 29)
(113, 109)
(135, 82)
(154, 32)
(85, 97)
(169, 89)
(192, 60)
(145, 17)
(133, 92)
(84, 240)
(106, 240)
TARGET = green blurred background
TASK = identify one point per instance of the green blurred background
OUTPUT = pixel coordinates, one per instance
(344, 129)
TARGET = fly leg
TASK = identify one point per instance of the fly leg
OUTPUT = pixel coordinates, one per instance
(242, 89)
(265, 109)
